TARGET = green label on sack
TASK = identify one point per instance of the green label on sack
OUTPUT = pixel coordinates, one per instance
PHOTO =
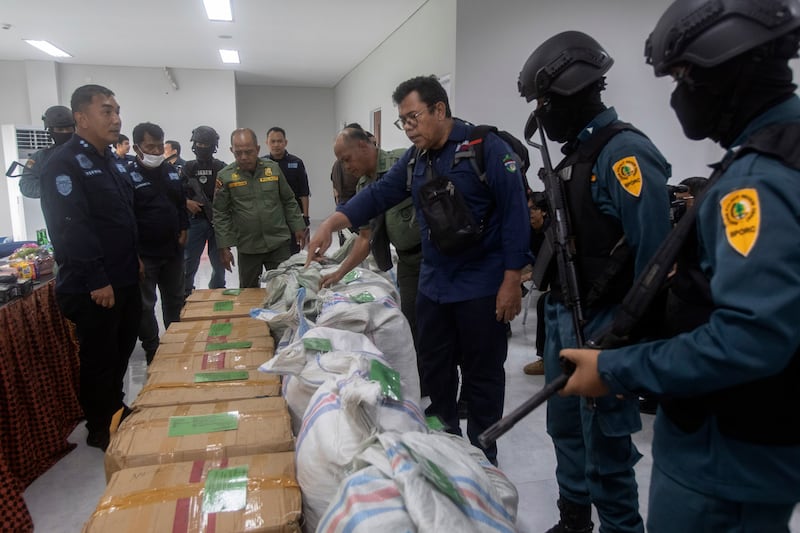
(223, 306)
(317, 344)
(225, 489)
(220, 330)
(232, 292)
(208, 377)
(232, 345)
(363, 297)
(389, 378)
(434, 422)
(351, 276)
(438, 478)
(180, 426)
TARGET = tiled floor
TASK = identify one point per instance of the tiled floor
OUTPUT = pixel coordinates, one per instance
(63, 498)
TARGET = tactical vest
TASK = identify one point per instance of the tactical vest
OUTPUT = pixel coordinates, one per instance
(604, 263)
(761, 411)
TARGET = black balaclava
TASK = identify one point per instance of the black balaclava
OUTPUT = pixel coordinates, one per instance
(204, 153)
(718, 102)
(60, 138)
(563, 117)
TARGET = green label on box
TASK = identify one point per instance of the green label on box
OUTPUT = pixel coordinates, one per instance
(232, 345)
(223, 306)
(233, 375)
(180, 426)
(389, 378)
(438, 478)
(351, 276)
(220, 330)
(317, 344)
(225, 489)
(434, 422)
(232, 292)
(363, 297)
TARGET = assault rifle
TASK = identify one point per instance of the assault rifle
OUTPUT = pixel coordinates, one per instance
(199, 196)
(561, 243)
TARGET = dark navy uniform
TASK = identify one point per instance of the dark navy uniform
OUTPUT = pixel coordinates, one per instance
(457, 294)
(199, 181)
(592, 440)
(751, 333)
(161, 215)
(295, 173)
(87, 199)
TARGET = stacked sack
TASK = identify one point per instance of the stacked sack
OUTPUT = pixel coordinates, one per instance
(352, 388)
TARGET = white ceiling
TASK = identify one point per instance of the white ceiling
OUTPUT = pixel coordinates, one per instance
(305, 43)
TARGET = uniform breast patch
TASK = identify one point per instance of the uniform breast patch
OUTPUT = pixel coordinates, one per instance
(629, 175)
(64, 185)
(268, 178)
(239, 183)
(741, 214)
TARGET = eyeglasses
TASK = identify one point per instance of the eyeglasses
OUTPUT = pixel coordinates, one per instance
(410, 119)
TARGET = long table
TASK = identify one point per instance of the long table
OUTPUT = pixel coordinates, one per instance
(39, 376)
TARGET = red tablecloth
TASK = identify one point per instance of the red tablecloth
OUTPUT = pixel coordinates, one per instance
(39, 371)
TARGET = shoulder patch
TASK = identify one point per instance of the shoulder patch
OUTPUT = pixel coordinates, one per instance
(218, 184)
(137, 178)
(64, 185)
(629, 175)
(741, 214)
(29, 163)
(510, 163)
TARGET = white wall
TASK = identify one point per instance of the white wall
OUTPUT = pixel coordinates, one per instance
(495, 39)
(307, 115)
(204, 97)
(425, 44)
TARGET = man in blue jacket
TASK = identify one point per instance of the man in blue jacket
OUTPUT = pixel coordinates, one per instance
(464, 298)
(726, 444)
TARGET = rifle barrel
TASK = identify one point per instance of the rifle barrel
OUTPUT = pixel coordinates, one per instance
(499, 428)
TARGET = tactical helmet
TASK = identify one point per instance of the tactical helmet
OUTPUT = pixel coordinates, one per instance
(206, 135)
(707, 33)
(564, 64)
(58, 116)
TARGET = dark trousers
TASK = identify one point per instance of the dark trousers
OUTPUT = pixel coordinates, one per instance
(200, 231)
(251, 265)
(467, 334)
(166, 273)
(106, 338)
(408, 265)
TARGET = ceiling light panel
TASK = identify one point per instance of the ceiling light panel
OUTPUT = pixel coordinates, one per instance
(47, 48)
(218, 10)
(229, 56)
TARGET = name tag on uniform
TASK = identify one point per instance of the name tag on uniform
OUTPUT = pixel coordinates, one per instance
(240, 183)
(268, 178)
(292, 165)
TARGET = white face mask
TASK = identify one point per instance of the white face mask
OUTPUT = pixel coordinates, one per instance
(151, 161)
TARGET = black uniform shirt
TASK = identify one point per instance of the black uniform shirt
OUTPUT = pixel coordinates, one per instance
(160, 207)
(87, 200)
(295, 173)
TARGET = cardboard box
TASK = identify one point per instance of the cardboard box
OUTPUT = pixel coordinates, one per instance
(143, 437)
(177, 388)
(208, 361)
(255, 296)
(170, 498)
(182, 348)
(218, 330)
(215, 310)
